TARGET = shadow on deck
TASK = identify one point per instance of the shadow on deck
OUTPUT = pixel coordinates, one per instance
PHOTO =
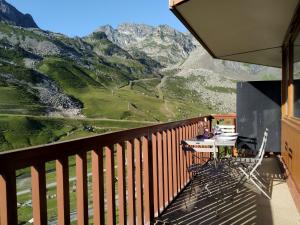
(247, 206)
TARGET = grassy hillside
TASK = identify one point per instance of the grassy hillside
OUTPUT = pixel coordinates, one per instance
(130, 98)
(15, 96)
(44, 73)
(24, 131)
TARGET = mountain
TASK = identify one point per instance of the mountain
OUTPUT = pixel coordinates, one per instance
(10, 14)
(215, 80)
(51, 70)
(162, 43)
(56, 73)
(47, 73)
(134, 72)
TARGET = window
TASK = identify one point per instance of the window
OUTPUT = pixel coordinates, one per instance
(297, 76)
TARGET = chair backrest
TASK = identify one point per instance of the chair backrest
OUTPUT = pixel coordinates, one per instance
(226, 128)
(262, 148)
(200, 146)
(261, 152)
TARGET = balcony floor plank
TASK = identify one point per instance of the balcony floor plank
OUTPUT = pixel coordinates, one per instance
(248, 206)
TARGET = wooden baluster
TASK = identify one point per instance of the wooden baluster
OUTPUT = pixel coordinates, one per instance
(148, 201)
(187, 154)
(178, 152)
(138, 177)
(165, 159)
(170, 165)
(160, 172)
(98, 186)
(174, 161)
(193, 130)
(39, 200)
(8, 198)
(110, 185)
(155, 175)
(62, 191)
(81, 189)
(181, 159)
(190, 135)
(131, 186)
(121, 184)
(184, 158)
(196, 134)
(193, 136)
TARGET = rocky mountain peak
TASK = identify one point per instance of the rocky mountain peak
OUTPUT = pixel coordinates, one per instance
(10, 14)
(137, 30)
(161, 43)
(99, 35)
(167, 29)
(108, 29)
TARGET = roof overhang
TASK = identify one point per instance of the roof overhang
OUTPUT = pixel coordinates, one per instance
(251, 31)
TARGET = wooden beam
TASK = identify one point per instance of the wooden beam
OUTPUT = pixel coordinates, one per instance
(148, 200)
(155, 175)
(290, 81)
(131, 186)
(138, 181)
(284, 83)
(8, 198)
(62, 191)
(39, 201)
(160, 172)
(98, 186)
(81, 189)
(110, 185)
(121, 184)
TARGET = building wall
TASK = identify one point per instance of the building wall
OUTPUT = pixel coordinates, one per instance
(290, 142)
(290, 121)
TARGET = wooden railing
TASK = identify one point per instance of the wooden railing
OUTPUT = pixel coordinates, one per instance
(150, 172)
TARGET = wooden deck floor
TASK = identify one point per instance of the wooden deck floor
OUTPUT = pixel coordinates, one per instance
(248, 206)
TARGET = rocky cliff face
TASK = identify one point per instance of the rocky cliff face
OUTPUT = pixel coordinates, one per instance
(215, 80)
(10, 14)
(164, 44)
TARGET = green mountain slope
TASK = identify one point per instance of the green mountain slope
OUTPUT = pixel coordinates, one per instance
(49, 74)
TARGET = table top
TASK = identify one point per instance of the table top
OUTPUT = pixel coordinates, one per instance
(214, 140)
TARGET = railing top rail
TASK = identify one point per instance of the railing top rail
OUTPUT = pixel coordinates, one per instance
(223, 116)
(17, 159)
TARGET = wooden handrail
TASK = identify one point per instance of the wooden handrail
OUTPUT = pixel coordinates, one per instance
(21, 158)
(151, 170)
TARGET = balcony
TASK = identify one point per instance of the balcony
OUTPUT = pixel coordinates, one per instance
(136, 176)
(248, 206)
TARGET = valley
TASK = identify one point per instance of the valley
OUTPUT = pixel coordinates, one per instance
(52, 87)
(56, 88)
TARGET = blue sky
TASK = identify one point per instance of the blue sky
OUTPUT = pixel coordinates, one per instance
(79, 18)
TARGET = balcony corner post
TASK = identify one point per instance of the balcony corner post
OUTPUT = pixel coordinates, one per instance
(8, 198)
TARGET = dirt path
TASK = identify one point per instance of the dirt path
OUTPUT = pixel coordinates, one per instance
(161, 96)
(78, 118)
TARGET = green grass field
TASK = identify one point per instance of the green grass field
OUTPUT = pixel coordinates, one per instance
(25, 131)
